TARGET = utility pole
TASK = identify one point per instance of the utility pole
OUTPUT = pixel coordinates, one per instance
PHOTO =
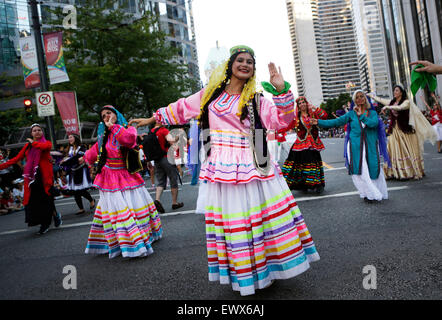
(44, 84)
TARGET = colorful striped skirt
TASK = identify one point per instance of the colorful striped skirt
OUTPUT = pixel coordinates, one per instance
(255, 233)
(126, 223)
(304, 170)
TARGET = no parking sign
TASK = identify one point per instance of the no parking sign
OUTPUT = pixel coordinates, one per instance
(45, 104)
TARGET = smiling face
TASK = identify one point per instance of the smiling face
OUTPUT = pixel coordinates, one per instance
(71, 139)
(360, 99)
(303, 106)
(243, 67)
(36, 132)
(397, 93)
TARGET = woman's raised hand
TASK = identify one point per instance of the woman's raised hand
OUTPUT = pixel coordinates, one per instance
(141, 122)
(357, 110)
(276, 78)
(111, 120)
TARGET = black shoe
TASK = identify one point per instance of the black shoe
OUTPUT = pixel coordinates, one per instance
(319, 189)
(43, 229)
(159, 206)
(177, 205)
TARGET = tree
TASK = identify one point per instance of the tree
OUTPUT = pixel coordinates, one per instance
(113, 58)
(334, 104)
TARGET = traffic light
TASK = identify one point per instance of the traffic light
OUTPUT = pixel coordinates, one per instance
(28, 108)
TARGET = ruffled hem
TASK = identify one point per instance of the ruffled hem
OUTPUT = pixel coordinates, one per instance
(112, 180)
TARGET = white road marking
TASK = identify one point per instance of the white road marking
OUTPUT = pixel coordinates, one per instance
(343, 194)
(332, 169)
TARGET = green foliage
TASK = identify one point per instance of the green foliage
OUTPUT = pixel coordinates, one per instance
(332, 105)
(127, 65)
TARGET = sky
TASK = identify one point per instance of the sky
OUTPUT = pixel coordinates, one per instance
(259, 24)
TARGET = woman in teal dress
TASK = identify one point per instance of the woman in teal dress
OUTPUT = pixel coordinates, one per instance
(364, 143)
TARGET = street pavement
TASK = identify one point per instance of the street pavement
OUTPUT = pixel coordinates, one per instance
(400, 237)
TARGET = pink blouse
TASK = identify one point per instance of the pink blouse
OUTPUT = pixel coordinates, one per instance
(114, 175)
(230, 159)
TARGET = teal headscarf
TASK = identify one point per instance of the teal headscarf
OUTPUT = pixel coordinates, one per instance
(102, 127)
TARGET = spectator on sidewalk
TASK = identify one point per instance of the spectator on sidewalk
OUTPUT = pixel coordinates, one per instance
(163, 168)
(18, 193)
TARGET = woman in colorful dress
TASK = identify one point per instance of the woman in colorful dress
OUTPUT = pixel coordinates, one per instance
(436, 119)
(78, 175)
(255, 231)
(407, 131)
(365, 141)
(126, 221)
(303, 168)
(38, 181)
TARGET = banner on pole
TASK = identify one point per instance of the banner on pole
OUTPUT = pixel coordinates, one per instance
(53, 43)
(29, 62)
(67, 106)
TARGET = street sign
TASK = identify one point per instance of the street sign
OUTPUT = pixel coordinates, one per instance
(45, 104)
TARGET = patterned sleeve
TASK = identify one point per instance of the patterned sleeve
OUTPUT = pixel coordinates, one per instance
(91, 155)
(125, 137)
(181, 111)
(279, 114)
(321, 114)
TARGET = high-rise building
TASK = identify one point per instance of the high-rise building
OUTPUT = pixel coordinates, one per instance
(373, 62)
(14, 18)
(324, 47)
(176, 20)
(305, 50)
(216, 56)
(412, 30)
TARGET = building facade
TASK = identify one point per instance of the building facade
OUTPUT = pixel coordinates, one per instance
(373, 61)
(14, 19)
(324, 47)
(176, 20)
(412, 30)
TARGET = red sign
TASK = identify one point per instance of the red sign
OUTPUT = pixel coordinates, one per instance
(67, 106)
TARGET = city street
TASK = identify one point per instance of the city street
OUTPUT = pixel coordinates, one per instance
(400, 237)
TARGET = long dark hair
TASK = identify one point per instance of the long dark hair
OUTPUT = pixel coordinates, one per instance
(77, 141)
(103, 152)
(403, 115)
(404, 95)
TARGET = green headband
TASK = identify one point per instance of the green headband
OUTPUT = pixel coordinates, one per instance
(241, 48)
